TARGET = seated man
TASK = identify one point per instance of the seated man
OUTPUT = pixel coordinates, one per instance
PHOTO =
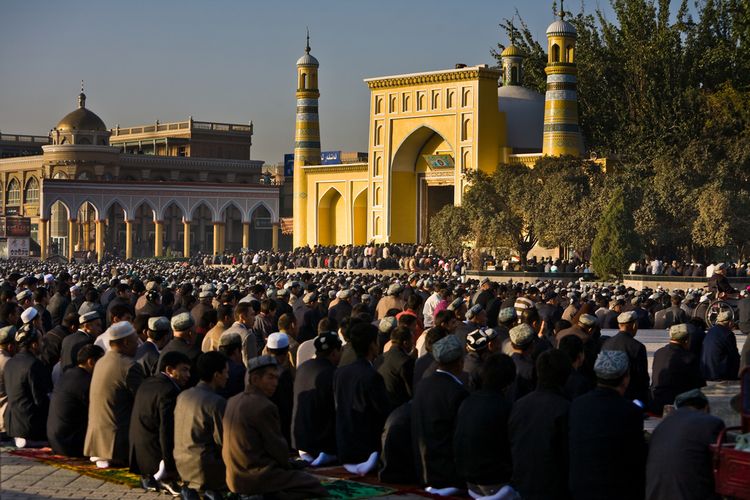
(254, 450)
(198, 429)
(69, 408)
(675, 369)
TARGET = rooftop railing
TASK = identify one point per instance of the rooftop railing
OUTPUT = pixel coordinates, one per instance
(184, 125)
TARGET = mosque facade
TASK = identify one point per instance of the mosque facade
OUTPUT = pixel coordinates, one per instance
(426, 132)
(157, 190)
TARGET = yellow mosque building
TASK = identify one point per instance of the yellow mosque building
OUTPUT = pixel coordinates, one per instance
(426, 132)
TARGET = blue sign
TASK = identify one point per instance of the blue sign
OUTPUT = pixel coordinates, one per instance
(330, 157)
(288, 165)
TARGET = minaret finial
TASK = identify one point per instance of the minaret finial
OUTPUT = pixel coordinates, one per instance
(562, 9)
(307, 46)
(81, 97)
(512, 30)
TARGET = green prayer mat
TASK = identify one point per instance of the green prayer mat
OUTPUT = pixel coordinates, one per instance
(341, 488)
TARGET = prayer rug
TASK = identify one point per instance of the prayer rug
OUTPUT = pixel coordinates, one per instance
(343, 489)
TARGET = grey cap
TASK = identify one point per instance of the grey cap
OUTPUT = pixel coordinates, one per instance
(259, 362)
(120, 330)
(693, 395)
(8, 334)
(230, 338)
(521, 335)
(447, 349)
(627, 317)
(611, 365)
(89, 316)
(679, 332)
(506, 314)
(475, 309)
(159, 324)
(587, 320)
(456, 304)
(310, 297)
(183, 321)
(394, 289)
(387, 324)
(23, 295)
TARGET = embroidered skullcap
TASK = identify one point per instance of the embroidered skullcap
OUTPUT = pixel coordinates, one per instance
(26, 334)
(523, 303)
(723, 317)
(679, 332)
(326, 342)
(230, 338)
(120, 330)
(456, 304)
(522, 334)
(394, 289)
(159, 324)
(475, 310)
(259, 362)
(8, 334)
(506, 314)
(310, 297)
(447, 349)
(587, 320)
(477, 340)
(692, 396)
(387, 324)
(627, 317)
(182, 322)
(611, 365)
(89, 316)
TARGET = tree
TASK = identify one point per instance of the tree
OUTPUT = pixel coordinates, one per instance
(449, 228)
(616, 243)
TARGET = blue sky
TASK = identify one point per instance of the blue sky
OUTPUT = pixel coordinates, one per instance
(233, 61)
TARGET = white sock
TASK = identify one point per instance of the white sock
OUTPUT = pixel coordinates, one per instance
(102, 464)
(323, 459)
(20, 442)
(305, 456)
(368, 465)
(443, 492)
(351, 468)
(95, 459)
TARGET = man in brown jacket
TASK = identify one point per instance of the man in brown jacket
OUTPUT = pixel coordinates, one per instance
(254, 450)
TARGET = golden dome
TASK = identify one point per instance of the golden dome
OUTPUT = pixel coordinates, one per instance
(512, 51)
(81, 118)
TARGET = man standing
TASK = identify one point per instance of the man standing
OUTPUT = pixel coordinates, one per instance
(152, 424)
(114, 383)
(434, 413)
(721, 359)
(198, 430)
(638, 387)
(606, 446)
(676, 369)
(69, 407)
(314, 413)
(679, 459)
(254, 450)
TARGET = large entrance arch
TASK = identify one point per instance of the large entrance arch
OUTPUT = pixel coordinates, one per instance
(332, 219)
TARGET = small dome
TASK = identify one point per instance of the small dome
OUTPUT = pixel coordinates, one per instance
(81, 118)
(512, 51)
(561, 27)
(307, 60)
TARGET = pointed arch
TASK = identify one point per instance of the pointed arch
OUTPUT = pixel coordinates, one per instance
(359, 218)
(257, 205)
(231, 203)
(13, 192)
(150, 204)
(110, 203)
(170, 203)
(331, 218)
(214, 214)
(31, 191)
(84, 201)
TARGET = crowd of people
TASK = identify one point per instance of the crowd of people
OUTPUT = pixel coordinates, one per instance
(247, 378)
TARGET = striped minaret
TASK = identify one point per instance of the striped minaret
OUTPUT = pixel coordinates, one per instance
(306, 139)
(562, 135)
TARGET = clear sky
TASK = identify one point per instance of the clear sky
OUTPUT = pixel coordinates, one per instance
(234, 61)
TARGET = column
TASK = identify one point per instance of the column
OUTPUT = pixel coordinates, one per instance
(99, 240)
(128, 239)
(223, 237)
(158, 238)
(72, 237)
(43, 239)
(245, 235)
(186, 239)
(275, 237)
(86, 235)
(217, 237)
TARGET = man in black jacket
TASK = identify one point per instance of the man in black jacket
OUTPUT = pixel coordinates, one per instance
(397, 368)
(184, 341)
(673, 315)
(606, 445)
(314, 412)
(538, 431)
(676, 369)
(89, 328)
(151, 433)
(59, 302)
(434, 412)
(54, 338)
(158, 333)
(638, 387)
(69, 408)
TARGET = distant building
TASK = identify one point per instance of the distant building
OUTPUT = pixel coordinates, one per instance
(13, 145)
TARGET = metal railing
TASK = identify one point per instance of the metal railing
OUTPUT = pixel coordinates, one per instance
(34, 139)
(183, 125)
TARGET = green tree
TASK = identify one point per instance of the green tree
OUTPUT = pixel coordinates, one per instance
(616, 243)
(449, 228)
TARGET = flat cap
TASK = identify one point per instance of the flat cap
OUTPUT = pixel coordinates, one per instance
(159, 324)
(28, 315)
(484, 281)
(506, 314)
(522, 334)
(278, 340)
(230, 338)
(89, 316)
(456, 304)
(310, 297)
(259, 362)
(475, 309)
(679, 332)
(387, 324)
(120, 330)
(477, 340)
(183, 321)
(326, 342)
(447, 349)
(587, 320)
(610, 365)
(627, 317)
(8, 334)
(695, 395)
(344, 294)
(394, 289)
(23, 295)
(723, 317)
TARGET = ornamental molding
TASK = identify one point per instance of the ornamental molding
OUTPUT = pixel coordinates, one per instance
(347, 167)
(469, 74)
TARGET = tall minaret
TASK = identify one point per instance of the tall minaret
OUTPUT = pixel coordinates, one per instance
(306, 139)
(562, 135)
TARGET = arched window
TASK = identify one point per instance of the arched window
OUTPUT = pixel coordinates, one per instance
(31, 194)
(14, 193)
(569, 54)
(60, 175)
(555, 53)
(303, 81)
(514, 75)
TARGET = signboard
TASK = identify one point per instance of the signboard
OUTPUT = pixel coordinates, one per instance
(18, 247)
(19, 227)
(288, 165)
(439, 161)
(330, 157)
(12, 210)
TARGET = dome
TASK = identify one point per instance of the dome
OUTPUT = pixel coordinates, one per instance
(524, 117)
(561, 27)
(512, 51)
(307, 60)
(81, 118)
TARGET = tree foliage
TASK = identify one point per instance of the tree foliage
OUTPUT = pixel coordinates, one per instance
(616, 243)
(449, 228)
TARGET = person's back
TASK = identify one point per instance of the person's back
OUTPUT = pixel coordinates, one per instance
(27, 384)
(314, 414)
(675, 370)
(720, 359)
(743, 310)
(679, 460)
(68, 413)
(397, 371)
(636, 351)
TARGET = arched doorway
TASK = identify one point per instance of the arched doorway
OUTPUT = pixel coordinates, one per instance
(58, 229)
(143, 231)
(261, 237)
(114, 237)
(174, 233)
(232, 228)
(422, 179)
(87, 216)
(332, 219)
(201, 230)
(359, 219)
